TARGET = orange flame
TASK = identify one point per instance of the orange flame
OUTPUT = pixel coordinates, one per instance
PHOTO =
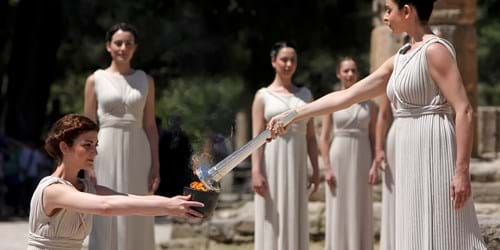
(196, 185)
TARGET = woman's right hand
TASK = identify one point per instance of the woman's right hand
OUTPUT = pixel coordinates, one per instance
(276, 125)
(259, 183)
(330, 178)
(180, 206)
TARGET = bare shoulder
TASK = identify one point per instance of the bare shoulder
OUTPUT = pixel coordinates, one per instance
(437, 53)
(90, 79)
(259, 94)
(151, 80)
(56, 189)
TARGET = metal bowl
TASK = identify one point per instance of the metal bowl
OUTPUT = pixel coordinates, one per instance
(209, 198)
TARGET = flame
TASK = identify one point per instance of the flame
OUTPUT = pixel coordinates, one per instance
(196, 185)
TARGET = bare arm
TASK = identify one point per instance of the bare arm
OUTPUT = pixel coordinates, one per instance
(369, 87)
(149, 123)
(383, 120)
(312, 151)
(58, 196)
(444, 71)
(90, 100)
(325, 143)
(373, 173)
(373, 123)
(325, 140)
(258, 125)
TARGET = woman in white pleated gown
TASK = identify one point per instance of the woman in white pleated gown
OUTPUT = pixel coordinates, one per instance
(433, 205)
(347, 160)
(121, 100)
(279, 168)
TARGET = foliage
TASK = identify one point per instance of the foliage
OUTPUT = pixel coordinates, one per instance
(488, 28)
(206, 105)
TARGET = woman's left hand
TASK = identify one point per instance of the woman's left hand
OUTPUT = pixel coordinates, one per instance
(460, 189)
(373, 174)
(314, 181)
(154, 180)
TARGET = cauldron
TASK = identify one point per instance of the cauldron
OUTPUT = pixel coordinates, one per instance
(209, 198)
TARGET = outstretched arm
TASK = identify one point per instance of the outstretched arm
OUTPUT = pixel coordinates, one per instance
(444, 71)
(58, 196)
(369, 87)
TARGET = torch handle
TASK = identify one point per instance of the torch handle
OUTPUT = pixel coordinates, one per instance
(231, 161)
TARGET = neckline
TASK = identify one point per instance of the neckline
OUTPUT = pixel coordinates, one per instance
(84, 186)
(285, 94)
(134, 71)
(412, 51)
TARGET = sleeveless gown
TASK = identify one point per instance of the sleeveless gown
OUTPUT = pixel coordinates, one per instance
(124, 158)
(349, 208)
(281, 218)
(425, 159)
(64, 230)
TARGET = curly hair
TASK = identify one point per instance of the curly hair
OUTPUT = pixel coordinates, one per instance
(67, 129)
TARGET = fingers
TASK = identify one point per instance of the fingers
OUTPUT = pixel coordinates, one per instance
(315, 188)
(382, 165)
(183, 197)
(194, 214)
(331, 183)
(372, 179)
(276, 127)
(461, 198)
(194, 204)
(261, 190)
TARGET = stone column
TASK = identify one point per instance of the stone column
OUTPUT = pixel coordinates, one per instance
(455, 20)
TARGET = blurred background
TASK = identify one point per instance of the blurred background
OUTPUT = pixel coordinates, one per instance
(208, 57)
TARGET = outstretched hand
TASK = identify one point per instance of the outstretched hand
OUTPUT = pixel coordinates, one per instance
(180, 206)
(277, 125)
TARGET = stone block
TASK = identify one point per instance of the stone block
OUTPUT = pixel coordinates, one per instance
(488, 129)
(454, 12)
(383, 45)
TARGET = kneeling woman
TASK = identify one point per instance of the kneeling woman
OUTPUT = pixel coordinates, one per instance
(62, 205)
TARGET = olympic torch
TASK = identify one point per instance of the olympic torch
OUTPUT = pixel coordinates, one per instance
(210, 176)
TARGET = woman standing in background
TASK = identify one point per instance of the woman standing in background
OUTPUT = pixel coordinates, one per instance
(121, 100)
(347, 161)
(279, 168)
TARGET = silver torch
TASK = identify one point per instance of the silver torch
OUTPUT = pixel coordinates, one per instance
(210, 176)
